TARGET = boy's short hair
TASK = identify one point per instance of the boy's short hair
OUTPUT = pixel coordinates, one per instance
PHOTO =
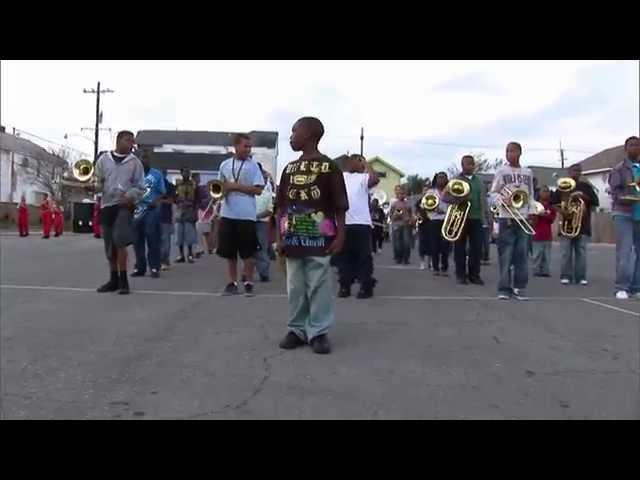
(626, 142)
(516, 144)
(238, 137)
(315, 127)
(470, 157)
(123, 133)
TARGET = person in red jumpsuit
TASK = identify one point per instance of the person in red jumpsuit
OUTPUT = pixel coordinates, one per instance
(96, 218)
(45, 216)
(56, 217)
(23, 217)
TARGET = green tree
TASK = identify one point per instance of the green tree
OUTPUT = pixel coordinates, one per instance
(414, 184)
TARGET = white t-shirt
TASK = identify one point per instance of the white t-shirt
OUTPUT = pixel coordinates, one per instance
(358, 193)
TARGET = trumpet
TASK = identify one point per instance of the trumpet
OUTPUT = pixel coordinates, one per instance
(456, 213)
(572, 208)
(216, 189)
(511, 201)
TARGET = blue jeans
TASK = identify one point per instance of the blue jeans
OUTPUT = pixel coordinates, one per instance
(574, 249)
(166, 230)
(513, 246)
(541, 257)
(310, 295)
(401, 238)
(147, 237)
(262, 255)
(627, 239)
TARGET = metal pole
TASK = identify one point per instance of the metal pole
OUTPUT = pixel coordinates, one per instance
(97, 131)
(361, 141)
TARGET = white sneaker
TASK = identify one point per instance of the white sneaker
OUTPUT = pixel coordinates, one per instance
(622, 295)
(422, 267)
(565, 281)
(636, 296)
(584, 282)
(503, 296)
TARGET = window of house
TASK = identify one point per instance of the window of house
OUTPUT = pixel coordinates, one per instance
(25, 162)
(381, 174)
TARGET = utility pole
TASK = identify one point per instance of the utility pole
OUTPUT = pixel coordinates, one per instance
(361, 141)
(97, 92)
(561, 156)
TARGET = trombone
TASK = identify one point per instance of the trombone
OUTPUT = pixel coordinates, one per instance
(82, 173)
(216, 190)
(511, 201)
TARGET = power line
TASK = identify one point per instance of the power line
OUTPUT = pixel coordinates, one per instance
(458, 145)
(19, 130)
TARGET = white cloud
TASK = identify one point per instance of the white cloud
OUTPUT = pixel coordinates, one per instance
(400, 103)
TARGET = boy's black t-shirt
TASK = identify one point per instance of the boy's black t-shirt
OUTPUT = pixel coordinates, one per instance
(378, 217)
(309, 195)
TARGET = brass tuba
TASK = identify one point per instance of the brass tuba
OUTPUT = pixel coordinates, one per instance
(456, 213)
(81, 175)
(572, 208)
(215, 189)
(511, 201)
(430, 202)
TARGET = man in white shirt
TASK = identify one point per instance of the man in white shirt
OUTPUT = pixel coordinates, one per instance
(356, 260)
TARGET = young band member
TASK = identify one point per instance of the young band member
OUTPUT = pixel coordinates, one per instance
(45, 216)
(167, 228)
(574, 250)
(119, 176)
(95, 220)
(310, 208)
(355, 260)
(57, 221)
(186, 215)
(264, 213)
(543, 236)
(468, 271)
(626, 215)
(146, 222)
(23, 217)
(401, 215)
(204, 212)
(424, 232)
(440, 248)
(512, 240)
(242, 181)
(378, 219)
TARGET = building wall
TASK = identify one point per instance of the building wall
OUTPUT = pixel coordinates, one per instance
(389, 182)
(24, 183)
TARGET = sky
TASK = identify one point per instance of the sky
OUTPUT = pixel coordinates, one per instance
(421, 116)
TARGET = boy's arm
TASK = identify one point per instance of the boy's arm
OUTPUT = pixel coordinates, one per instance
(373, 176)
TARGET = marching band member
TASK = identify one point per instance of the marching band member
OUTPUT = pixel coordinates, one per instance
(378, 219)
(400, 214)
(424, 232)
(264, 213)
(355, 260)
(310, 208)
(468, 266)
(57, 220)
(242, 181)
(167, 228)
(45, 216)
(512, 239)
(186, 215)
(146, 222)
(440, 248)
(23, 217)
(543, 236)
(574, 250)
(626, 215)
(119, 176)
(204, 213)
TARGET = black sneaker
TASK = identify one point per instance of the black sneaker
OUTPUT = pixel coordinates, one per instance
(365, 293)
(123, 288)
(344, 293)
(138, 273)
(230, 289)
(110, 286)
(463, 281)
(476, 281)
(179, 260)
(264, 278)
(199, 254)
(155, 274)
(248, 289)
(291, 341)
(190, 259)
(321, 345)
(210, 252)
